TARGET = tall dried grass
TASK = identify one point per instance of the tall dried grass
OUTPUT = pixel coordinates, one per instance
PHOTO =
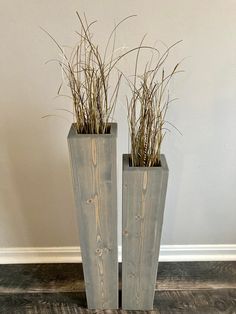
(92, 77)
(147, 109)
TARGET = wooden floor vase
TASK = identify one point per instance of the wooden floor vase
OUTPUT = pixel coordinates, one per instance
(144, 192)
(93, 163)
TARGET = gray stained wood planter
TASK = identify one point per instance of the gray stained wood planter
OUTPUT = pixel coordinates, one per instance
(144, 192)
(93, 163)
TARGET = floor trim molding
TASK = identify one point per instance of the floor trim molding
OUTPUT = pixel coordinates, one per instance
(168, 253)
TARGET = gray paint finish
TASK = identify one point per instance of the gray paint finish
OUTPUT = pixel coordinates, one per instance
(144, 192)
(93, 162)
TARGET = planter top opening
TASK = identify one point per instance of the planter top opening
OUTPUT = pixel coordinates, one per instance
(127, 166)
(111, 127)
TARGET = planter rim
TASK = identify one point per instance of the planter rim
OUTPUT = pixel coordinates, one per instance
(127, 167)
(113, 133)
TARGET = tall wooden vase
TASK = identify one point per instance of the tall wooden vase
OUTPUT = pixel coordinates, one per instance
(93, 163)
(144, 192)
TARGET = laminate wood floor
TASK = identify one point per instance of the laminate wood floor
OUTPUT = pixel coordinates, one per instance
(183, 287)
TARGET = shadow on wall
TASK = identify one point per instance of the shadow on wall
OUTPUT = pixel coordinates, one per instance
(37, 207)
(173, 192)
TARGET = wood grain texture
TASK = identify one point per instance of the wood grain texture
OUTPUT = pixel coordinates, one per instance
(39, 278)
(196, 301)
(166, 302)
(144, 191)
(183, 287)
(196, 276)
(93, 162)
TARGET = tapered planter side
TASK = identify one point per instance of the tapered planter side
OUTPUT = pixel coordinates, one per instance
(93, 162)
(144, 192)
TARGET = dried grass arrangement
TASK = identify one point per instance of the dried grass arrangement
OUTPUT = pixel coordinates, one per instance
(89, 72)
(147, 109)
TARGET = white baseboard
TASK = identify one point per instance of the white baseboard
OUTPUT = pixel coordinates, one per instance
(27, 255)
(168, 253)
(198, 252)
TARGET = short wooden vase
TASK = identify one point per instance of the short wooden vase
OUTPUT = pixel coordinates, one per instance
(144, 193)
(93, 163)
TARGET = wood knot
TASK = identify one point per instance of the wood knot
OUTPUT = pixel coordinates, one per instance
(131, 275)
(106, 250)
(89, 201)
(138, 217)
(99, 252)
(125, 233)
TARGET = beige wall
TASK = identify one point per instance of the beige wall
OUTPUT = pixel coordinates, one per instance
(36, 200)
